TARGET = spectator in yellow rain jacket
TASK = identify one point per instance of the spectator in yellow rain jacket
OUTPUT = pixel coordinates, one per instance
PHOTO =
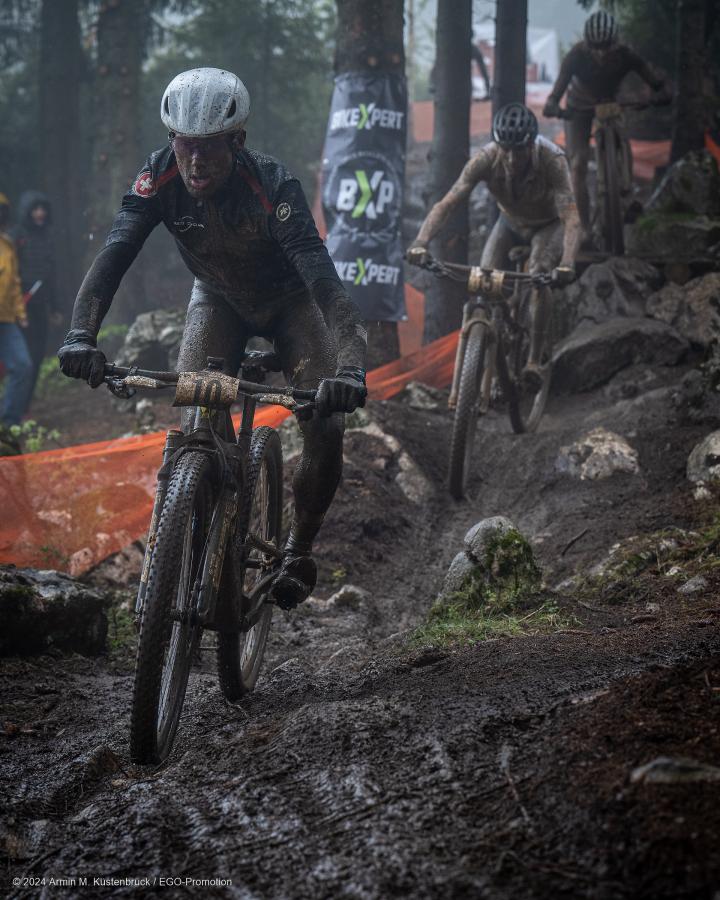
(14, 353)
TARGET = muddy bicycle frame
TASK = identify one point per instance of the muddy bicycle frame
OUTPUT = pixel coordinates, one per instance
(614, 166)
(212, 393)
(488, 288)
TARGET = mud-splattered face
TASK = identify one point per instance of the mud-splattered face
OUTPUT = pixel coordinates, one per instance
(205, 164)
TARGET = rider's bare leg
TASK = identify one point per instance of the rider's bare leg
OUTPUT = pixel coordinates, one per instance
(212, 328)
(500, 242)
(577, 139)
(545, 253)
(307, 347)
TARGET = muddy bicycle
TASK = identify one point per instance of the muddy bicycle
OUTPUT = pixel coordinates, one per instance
(492, 352)
(613, 158)
(213, 544)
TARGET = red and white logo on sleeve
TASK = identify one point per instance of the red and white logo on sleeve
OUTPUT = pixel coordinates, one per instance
(144, 186)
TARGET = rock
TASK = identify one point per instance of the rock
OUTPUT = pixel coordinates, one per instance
(122, 569)
(497, 557)
(598, 454)
(145, 412)
(348, 595)
(674, 770)
(481, 537)
(617, 287)
(703, 464)
(592, 354)
(422, 396)
(691, 185)
(153, 340)
(694, 309)
(695, 585)
(461, 568)
(411, 481)
(681, 237)
(43, 610)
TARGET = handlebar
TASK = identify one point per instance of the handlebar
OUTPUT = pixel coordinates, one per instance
(635, 105)
(479, 279)
(206, 388)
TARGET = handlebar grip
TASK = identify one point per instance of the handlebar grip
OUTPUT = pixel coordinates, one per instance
(299, 394)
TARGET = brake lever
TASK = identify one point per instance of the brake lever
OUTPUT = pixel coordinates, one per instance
(119, 388)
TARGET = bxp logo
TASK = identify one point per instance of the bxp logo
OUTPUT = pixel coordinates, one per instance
(362, 196)
(365, 116)
(363, 272)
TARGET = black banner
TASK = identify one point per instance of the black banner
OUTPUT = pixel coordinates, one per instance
(363, 178)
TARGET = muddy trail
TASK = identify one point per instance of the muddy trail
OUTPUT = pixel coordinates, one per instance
(367, 764)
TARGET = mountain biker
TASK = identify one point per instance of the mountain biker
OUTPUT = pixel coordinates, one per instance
(529, 178)
(592, 73)
(243, 227)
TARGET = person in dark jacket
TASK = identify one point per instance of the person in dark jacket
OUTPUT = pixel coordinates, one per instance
(243, 227)
(36, 258)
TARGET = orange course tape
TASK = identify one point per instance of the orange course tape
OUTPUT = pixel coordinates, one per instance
(69, 509)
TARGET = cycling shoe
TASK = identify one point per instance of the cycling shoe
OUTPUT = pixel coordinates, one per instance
(295, 580)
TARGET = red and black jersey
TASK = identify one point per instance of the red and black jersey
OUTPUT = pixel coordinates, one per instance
(255, 239)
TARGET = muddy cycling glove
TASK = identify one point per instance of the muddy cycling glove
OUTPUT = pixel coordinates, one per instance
(343, 393)
(80, 358)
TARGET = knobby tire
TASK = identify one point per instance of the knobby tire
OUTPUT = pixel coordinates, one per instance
(613, 213)
(176, 562)
(466, 411)
(240, 655)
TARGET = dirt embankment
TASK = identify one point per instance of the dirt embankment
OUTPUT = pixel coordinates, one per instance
(366, 766)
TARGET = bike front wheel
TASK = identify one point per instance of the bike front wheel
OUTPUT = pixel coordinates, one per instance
(240, 654)
(169, 631)
(466, 410)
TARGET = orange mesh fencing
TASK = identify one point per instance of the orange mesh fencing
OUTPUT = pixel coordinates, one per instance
(68, 509)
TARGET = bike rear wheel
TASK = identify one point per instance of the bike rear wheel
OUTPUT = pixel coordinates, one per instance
(466, 410)
(169, 632)
(240, 655)
(525, 407)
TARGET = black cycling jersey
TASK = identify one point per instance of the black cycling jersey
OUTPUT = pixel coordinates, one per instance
(255, 240)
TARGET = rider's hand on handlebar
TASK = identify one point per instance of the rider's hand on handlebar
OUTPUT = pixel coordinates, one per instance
(417, 254)
(563, 275)
(552, 110)
(344, 393)
(80, 358)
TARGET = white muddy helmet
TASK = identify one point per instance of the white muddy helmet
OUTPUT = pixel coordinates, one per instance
(202, 102)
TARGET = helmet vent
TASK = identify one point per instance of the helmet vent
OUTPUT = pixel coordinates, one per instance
(232, 109)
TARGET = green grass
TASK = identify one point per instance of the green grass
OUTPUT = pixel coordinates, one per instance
(122, 635)
(455, 624)
(502, 598)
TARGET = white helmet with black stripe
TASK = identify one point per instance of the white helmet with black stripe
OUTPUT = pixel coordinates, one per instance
(203, 102)
(601, 29)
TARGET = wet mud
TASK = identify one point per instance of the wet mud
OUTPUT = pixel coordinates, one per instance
(366, 766)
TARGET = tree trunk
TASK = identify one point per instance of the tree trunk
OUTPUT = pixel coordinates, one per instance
(117, 155)
(690, 119)
(370, 40)
(510, 53)
(448, 155)
(63, 169)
